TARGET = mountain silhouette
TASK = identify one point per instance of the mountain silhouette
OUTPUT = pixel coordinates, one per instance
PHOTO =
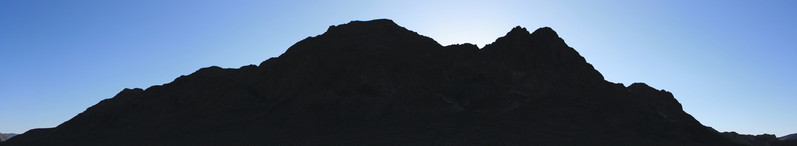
(377, 83)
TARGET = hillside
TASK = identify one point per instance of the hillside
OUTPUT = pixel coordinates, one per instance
(377, 83)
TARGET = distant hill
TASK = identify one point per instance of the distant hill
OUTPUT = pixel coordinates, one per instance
(10, 134)
(377, 83)
(752, 140)
(760, 140)
(789, 137)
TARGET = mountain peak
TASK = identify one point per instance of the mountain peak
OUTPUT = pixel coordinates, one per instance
(640, 85)
(518, 31)
(370, 25)
(545, 31)
(377, 21)
(542, 32)
(357, 37)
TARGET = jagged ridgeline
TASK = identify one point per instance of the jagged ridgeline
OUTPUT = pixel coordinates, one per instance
(377, 83)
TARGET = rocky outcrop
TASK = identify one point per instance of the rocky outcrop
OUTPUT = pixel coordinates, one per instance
(377, 83)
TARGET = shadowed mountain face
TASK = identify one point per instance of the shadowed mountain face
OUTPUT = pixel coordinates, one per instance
(376, 83)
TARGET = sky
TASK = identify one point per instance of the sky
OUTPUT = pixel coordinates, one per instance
(731, 64)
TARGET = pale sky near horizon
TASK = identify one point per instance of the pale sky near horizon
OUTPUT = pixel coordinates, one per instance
(730, 64)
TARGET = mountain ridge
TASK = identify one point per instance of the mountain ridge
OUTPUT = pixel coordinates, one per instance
(759, 140)
(376, 83)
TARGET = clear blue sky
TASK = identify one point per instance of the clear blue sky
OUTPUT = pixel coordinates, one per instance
(731, 64)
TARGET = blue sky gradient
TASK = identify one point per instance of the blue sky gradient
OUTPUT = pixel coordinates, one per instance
(730, 64)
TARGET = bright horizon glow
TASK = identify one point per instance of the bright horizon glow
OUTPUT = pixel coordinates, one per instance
(730, 64)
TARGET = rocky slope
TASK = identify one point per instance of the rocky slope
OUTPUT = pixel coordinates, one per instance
(376, 83)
